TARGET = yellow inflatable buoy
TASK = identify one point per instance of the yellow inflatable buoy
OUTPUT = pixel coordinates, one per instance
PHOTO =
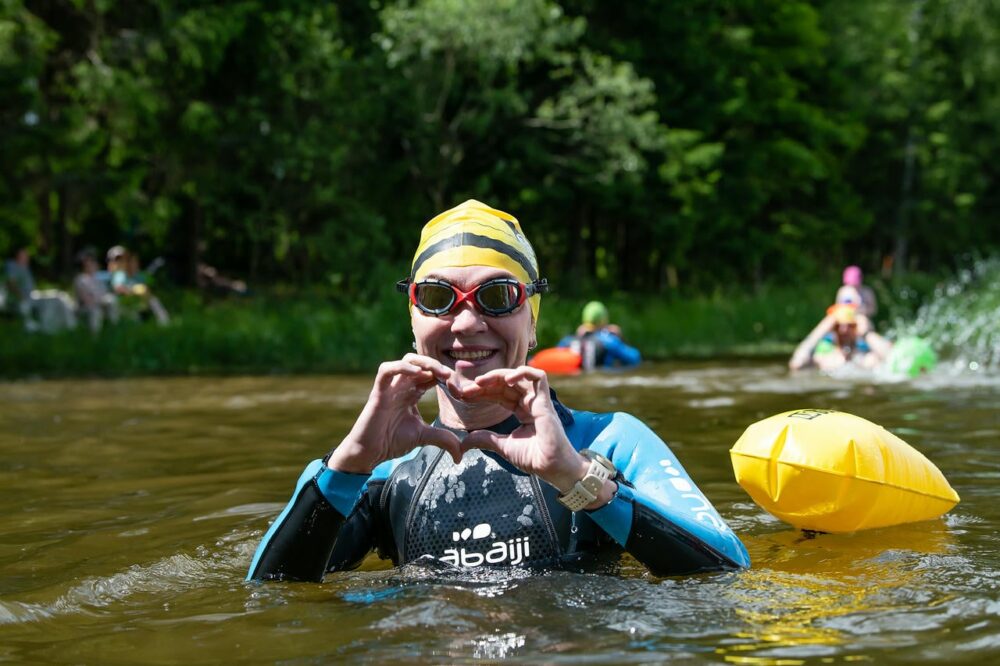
(834, 472)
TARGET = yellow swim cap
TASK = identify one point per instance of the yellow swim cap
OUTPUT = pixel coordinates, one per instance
(843, 313)
(474, 234)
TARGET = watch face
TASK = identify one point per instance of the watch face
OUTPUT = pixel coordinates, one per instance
(599, 459)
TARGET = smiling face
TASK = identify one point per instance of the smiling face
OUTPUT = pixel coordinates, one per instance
(846, 335)
(468, 341)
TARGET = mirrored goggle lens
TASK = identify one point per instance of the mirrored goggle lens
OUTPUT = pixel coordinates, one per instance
(433, 297)
(499, 297)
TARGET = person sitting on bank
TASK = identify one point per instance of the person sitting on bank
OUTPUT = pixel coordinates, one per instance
(843, 336)
(20, 284)
(127, 282)
(45, 310)
(599, 342)
(853, 291)
(506, 475)
(94, 302)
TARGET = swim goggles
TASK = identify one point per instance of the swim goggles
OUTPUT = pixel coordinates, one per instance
(494, 298)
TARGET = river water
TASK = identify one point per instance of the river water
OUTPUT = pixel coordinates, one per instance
(129, 512)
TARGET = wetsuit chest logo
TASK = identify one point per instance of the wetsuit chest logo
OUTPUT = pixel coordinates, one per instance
(476, 514)
(513, 551)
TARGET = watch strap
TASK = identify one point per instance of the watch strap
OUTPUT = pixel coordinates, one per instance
(586, 490)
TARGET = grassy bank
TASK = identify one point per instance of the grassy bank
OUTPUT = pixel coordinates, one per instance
(301, 332)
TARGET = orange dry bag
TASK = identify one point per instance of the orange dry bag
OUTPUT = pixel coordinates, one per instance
(557, 361)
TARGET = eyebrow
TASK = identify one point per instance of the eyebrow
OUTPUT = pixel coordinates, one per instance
(493, 276)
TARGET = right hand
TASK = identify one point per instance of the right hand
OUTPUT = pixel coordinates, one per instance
(390, 424)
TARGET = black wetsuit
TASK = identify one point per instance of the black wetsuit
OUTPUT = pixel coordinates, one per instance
(485, 512)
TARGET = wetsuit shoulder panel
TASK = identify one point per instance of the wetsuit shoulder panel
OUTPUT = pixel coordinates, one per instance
(659, 514)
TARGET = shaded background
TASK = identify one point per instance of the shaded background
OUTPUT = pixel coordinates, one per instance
(644, 145)
(720, 154)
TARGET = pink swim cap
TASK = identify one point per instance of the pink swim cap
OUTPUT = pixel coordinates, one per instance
(852, 276)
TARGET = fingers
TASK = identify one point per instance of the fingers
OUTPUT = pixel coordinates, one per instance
(495, 391)
(438, 369)
(412, 369)
(390, 370)
(444, 439)
(513, 387)
(485, 440)
(513, 375)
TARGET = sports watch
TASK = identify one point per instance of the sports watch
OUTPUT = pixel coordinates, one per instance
(589, 487)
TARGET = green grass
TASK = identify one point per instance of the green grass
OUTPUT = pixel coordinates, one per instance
(766, 323)
(308, 332)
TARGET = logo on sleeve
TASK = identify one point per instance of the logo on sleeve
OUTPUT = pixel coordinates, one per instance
(700, 506)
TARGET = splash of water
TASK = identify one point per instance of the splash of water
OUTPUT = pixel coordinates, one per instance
(962, 318)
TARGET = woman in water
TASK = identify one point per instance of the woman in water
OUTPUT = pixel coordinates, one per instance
(844, 336)
(506, 475)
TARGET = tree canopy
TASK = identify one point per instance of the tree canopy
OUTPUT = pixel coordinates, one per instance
(644, 146)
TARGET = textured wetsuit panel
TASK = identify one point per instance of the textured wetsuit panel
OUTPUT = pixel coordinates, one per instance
(478, 513)
(398, 495)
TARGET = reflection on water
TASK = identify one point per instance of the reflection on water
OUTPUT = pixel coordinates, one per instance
(803, 604)
(130, 511)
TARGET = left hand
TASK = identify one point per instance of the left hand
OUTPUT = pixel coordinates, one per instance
(539, 445)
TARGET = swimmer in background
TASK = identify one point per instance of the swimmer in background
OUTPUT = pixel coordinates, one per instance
(843, 336)
(853, 291)
(598, 342)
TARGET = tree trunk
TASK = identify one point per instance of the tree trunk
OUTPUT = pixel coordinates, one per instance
(576, 261)
(623, 258)
(45, 223)
(194, 242)
(590, 231)
(673, 281)
(64, 265)
(902, 240)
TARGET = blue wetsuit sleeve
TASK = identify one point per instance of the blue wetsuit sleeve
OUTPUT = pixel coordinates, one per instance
(300, 543)
(659, 515)
(566, 341)
(615, 349)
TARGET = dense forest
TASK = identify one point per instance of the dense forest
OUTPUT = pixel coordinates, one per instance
(646, 146)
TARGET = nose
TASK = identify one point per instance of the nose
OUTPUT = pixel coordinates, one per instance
(467, 320)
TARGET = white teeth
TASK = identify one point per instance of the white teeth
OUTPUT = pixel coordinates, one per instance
(462, 355)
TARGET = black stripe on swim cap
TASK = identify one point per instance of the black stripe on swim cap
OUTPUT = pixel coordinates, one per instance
(475, 240)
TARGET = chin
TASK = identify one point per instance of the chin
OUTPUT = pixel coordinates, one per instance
(472, 371)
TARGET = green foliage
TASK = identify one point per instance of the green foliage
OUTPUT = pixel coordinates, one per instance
(314, 331)
(675, 147)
